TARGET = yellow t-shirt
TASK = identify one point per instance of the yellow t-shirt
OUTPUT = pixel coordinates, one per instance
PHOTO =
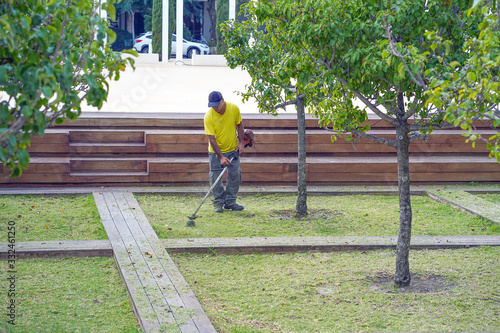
(223, 127)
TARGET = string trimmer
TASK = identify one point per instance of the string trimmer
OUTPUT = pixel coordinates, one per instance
(248, 140)
(190, 222)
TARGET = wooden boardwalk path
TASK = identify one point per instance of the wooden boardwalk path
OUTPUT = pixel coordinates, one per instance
(469, 203)
(162, 299)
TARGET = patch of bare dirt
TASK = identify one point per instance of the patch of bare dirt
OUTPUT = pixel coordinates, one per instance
(420, 284)
(319, 214)
(246, 215)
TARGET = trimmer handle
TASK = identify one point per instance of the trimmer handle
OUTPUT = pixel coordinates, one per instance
(230, 161)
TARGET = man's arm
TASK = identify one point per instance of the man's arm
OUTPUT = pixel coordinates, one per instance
(213, 143)
(241, 137)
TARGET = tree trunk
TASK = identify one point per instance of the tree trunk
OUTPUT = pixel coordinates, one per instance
(301, 208)
(402, 277)
(157, 27)
(212, 16)
(133, 25)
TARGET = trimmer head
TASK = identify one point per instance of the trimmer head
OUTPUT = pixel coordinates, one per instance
(190, 222)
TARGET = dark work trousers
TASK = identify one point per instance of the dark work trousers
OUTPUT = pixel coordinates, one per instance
(227, 196)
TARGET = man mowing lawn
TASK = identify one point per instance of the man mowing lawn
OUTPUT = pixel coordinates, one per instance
(222, 123)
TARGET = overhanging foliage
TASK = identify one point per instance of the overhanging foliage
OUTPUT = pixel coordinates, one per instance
(53, 55)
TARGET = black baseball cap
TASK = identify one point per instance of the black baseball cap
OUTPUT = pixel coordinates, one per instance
(214, 98)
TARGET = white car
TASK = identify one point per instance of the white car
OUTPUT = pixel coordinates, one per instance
(188, 48)
(143, 42)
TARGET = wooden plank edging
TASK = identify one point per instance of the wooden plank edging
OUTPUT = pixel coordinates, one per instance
(468, 203)
(147, 261)
(247, 245)
(59, 249)
(244, 245)
(198, 318)
(139, 299)
(162, 300)
(201, 190)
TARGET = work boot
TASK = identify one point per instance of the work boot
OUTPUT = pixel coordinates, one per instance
(234, 206)
(218, 208)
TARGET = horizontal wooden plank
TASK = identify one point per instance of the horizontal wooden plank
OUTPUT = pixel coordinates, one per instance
(254, 245)
(313, 136)
(59, 249)
(48, 167)
(142, 121)
(248, 178)
(243, 245)
(51, 136)
(68, 179)
(107, 136)
(176, 136)
(49, 148)
(191, 120)
(203, 177)
(259, 148)
(240, 245)
(147, 119)
(337, 167)
(367, 177)
(330, 148)
(177, 148)
(37, 178)
(182, 177)
(117, 148)
(52, 168)
(392, 167)
(155, 167)
(108, 164)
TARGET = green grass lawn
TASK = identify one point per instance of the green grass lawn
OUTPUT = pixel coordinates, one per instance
(452, 290)
(313, 292)
(56, 217)
(68, 295)
(272, 215)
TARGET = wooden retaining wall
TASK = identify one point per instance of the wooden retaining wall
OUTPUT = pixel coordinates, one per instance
(171, 149)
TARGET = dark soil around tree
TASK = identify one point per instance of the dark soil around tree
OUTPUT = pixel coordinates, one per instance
(319, 214)
(384, 283)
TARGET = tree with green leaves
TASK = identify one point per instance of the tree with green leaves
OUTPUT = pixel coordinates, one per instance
(273, 71)
(54, 54)
(157, 30)
(212, 17)
(156, 33)
(341, 51)
(133, 6)
(193, 14)
(222, 12)
(466, 88)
